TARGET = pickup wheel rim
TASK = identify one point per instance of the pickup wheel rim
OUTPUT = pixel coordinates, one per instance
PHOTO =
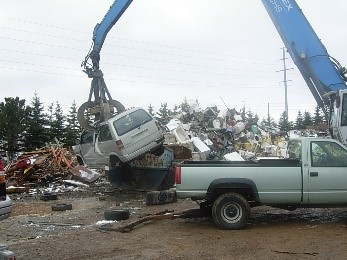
(232, 212)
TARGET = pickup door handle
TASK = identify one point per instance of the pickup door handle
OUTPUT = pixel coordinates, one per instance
(313, 174)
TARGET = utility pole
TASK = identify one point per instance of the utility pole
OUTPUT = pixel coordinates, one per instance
(285, 81)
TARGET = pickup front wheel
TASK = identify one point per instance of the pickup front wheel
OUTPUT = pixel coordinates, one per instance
(231, 211)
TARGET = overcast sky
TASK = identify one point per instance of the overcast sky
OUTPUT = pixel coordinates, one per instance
(222, 52)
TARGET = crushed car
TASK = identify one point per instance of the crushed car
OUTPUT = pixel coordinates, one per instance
(121, 139)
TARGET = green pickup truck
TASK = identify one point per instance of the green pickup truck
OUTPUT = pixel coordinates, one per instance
(314, 174)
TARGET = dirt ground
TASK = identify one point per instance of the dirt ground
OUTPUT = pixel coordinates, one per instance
(34, 231)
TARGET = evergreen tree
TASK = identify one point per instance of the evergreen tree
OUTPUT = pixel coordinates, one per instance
(151, 110)
(307, 119)
(256, 119)
(36, 134)
(57, 130)
(184, 106)
(318, 116)
(268, 123)
(243, 114)
(163, 114)
(73, 129)
(299, 122)
(284, 123)
(250, 118)
(175, 109)
(13, 118)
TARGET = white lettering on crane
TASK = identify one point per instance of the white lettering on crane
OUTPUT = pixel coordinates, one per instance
(286, 4)
(277, 6)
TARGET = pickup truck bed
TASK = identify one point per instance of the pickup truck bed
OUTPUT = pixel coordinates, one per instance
(254, 176)
(314, 175)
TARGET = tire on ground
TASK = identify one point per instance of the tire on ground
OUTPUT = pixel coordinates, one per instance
(116, 214)
(161, 197)
(231, 211)
(61, 207)
(49, 196)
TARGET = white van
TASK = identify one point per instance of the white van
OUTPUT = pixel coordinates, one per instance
(123, 138)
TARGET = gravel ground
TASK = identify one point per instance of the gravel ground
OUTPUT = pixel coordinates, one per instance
(34, 231)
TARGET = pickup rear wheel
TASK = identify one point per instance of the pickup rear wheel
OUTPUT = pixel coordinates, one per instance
(231, 211)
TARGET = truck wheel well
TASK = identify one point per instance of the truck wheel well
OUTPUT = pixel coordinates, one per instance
(246, 192)
(242, 186)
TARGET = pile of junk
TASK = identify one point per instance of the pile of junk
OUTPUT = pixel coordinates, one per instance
(199, 135)
(196, 134)
(222, 135)
(49, 168)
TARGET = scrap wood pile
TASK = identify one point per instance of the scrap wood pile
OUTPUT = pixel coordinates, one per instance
(51, 163)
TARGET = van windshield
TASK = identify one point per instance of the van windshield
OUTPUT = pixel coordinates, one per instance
(131, 121)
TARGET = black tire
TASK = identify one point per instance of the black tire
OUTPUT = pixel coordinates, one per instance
(161, 197)
(61, 207)
(49, 196)
(117, 105)
(81, 118)
(116, 214)
(231, 211)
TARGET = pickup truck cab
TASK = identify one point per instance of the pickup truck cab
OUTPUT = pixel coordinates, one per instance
(313, 175)
(123, 138)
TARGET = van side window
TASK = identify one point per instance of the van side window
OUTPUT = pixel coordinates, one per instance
(87, 137)
(131, 121)
(328, 154)
(104, 133)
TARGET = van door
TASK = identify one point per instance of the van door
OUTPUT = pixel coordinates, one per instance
(87, 146)
(105, 144)
(327, 173)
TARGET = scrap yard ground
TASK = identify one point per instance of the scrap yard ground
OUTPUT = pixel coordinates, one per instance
(34, 231)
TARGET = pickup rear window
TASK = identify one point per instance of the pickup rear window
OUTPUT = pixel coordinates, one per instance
(131, 121)
(294, 150)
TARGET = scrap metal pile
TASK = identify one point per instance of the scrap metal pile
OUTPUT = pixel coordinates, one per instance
(221, 135)
(52, 163)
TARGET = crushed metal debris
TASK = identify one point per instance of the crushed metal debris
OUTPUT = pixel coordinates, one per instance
(44, 167)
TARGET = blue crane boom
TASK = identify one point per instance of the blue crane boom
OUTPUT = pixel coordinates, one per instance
(324, 75)
(103, 105)
(321, 73)
(101, 29)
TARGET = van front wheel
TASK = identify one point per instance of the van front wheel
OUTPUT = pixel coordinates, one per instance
(231, 211)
